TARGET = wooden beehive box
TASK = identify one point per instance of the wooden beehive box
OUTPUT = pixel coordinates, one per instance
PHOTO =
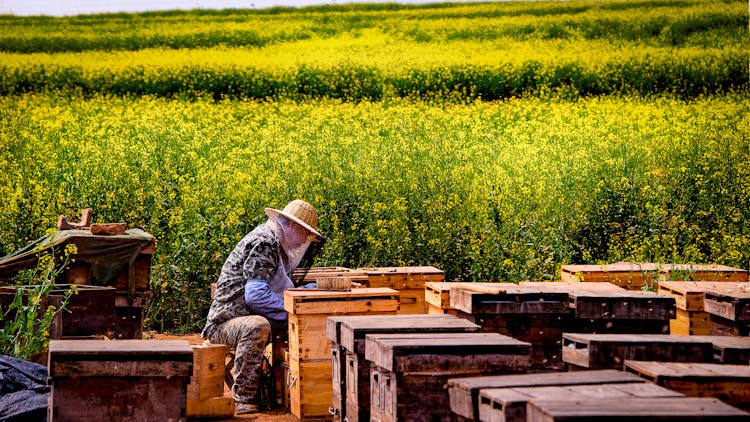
(704, 272)
(633, 409)
(509, 404)
(600, 351)
(119, 380)
(535, 313)
(629, 275)
(729, 308)
(691, 317)
(354, 386)
(310, 349)
(729, 383)
(409, 371)
(465, 400)
(624, 311)
(409, 281)
(205, 393)
(728, 349)
(437, 296)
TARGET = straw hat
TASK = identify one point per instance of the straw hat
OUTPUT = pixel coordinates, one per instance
(301, 212)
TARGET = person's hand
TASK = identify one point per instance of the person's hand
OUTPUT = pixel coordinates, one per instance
(310, 286)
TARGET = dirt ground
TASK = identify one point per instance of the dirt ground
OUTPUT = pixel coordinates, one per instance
(275, 415)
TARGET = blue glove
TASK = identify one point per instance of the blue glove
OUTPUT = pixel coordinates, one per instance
(263, 301)
(310, 286)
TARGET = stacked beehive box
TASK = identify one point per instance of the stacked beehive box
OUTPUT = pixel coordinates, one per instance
(534, 315)
(691, 317)
(352, 393)
(705, 307)
(408, 372)
(121, 261)
(409, 281)
(310, 349)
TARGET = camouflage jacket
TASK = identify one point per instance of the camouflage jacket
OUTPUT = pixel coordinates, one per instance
(256, 257)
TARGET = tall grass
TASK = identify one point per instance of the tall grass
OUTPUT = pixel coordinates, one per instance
(485, 191)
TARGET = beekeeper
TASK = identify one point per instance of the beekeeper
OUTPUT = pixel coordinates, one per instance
(248, 306)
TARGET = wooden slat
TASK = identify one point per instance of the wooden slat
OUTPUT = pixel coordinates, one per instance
(100, 349)
(688, 295)
(596, 351)
(705, 272)
(509, 404)
(400, 278)
(666, 408)
(213, 407)
(464, 392)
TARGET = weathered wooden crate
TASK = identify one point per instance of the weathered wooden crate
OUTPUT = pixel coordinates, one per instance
(355, 369)
(599, 351)
(89, 312)
(729, 383)
(629, 275)
(409, 371)
(731, 350)
(119, 380)
(509, 404)
(409, 281)
(729, 308)
(465, 392)
(691, 317)
(311, 349)
(634, 409)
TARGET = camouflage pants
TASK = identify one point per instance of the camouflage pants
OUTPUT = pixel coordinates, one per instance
(249, 336)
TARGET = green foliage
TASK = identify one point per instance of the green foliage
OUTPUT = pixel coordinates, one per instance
(29, 317)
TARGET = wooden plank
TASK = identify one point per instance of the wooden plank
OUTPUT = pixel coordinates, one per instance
(636, 408)
(729, 383)
(464, 392)
(509, 404)
(213, 407)
(411, 302)
(178, 350)
(438, 294)
(118, 368)
(597, 351)
(446, 352)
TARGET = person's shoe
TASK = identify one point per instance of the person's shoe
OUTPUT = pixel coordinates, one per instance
(245, 408)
